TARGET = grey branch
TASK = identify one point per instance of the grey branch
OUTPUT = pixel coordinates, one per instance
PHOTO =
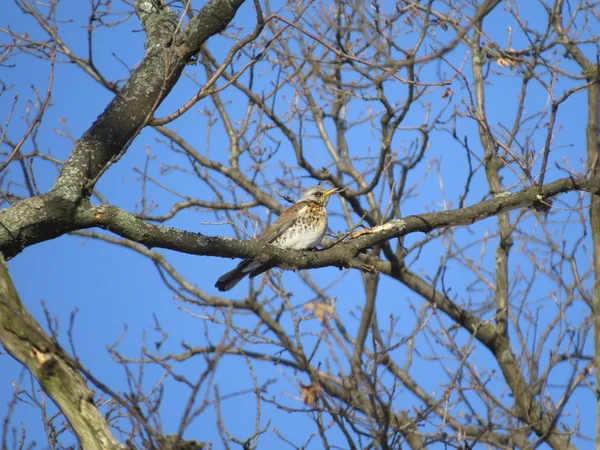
(24, 225)
(24, 339)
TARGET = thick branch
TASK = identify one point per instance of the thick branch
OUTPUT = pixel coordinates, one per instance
(133, 106)
(20, 228)
(592, 73)
(24, 340)
(29, 220)
(527, 409)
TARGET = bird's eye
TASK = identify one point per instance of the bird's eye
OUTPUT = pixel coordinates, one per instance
(318, 193)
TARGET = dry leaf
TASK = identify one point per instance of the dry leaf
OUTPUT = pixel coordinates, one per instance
(310, 394)
(447, 93)
(322, 311)
(502, 62)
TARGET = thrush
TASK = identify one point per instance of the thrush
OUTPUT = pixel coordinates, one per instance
(300, 227)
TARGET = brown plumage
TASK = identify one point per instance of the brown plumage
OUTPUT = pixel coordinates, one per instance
(300, 227)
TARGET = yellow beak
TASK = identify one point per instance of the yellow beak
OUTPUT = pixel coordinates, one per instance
(329, 192)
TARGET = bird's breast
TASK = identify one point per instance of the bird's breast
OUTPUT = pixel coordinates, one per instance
(307, 231)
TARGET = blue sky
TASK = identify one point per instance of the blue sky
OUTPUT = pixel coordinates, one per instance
(115, 290)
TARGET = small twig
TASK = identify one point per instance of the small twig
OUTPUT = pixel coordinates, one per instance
(38, 118)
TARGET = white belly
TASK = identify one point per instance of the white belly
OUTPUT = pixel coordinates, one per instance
(307, 239)
(303, 235)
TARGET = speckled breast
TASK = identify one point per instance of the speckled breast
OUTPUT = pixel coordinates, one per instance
(307, 231)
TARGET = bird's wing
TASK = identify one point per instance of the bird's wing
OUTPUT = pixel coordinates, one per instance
(282, 223)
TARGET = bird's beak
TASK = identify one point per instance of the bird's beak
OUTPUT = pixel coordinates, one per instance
(329, 192)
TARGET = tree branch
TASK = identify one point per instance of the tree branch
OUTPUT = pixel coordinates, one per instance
(24, 339)
(20, 228)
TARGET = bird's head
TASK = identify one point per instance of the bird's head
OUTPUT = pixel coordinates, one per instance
(318, 194)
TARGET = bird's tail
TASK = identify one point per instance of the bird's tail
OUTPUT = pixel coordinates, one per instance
(233, 277)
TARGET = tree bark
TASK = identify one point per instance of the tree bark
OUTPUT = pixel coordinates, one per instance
(24, 339)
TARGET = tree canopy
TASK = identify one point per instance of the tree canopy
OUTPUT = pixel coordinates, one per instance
(455, 302)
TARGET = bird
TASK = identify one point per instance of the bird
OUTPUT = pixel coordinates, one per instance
(300, 227)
